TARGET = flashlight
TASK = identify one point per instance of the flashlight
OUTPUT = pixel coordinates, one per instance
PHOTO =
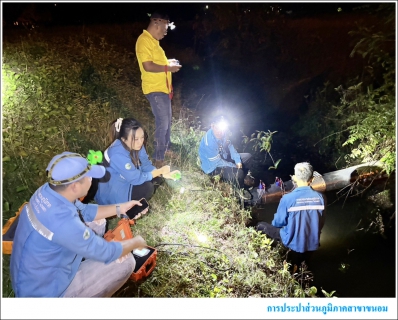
(171, 25)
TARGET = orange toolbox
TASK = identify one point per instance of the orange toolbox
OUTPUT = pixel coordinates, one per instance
(145, 264)
(9, 231)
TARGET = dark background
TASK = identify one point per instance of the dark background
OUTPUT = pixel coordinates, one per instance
(261, 89)
(114, 12)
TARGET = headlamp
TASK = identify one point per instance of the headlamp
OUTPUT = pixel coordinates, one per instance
(171, 25)
(222, 125)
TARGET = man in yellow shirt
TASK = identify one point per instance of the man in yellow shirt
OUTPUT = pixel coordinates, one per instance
(156, 72)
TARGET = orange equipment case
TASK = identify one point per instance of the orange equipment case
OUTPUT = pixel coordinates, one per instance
(9, 231)
(144, 265)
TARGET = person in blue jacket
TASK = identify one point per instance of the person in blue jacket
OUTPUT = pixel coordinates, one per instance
(131, 175)
(300, 216)
(218, 156)
(52, 238)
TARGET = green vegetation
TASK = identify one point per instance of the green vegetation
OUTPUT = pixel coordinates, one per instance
(370, 106)
(262, 141)
(355, 121)
(60, 92)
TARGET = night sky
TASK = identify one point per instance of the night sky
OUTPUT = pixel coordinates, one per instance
(111, 12)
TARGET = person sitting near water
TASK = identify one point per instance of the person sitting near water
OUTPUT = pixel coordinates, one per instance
(300, 216)
(131, 174)
(51, 238)
(218, 156)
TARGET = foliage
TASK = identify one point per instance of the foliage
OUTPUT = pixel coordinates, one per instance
(186, 134)
(262, 141)
(206, 250)
(320, 128)
(51, 103)
(359, 123)
(370, 110)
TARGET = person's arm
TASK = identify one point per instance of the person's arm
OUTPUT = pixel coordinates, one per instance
(323, 215)
(281, 215)
(74, 235)
(150, 66)
(209, 151)
(146, 164)
(157, 172)
(131, 244)
(235, 155)
(121, 162)
(107, 211)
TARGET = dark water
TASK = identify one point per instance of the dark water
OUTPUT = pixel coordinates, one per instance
(369, 259)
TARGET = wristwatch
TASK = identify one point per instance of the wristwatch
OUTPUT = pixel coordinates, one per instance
(118, 212)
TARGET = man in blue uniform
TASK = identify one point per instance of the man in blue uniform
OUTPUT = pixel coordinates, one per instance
(300, 215)
(218, 156)
(52, 238)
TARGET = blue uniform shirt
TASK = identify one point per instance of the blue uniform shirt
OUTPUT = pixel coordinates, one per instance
(301, 216)
(209, 155)
(45, 265)
(124, 175)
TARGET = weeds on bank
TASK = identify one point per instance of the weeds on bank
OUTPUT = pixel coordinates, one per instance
(204, 247)
(61, 95)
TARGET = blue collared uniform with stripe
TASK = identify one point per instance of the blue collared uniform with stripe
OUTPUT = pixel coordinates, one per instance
(123, 174)
(50, 242)
(209, 155)
(301, 216)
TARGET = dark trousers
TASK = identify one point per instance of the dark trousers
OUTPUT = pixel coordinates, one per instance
(147, 189)
(293, 257)
(161, 109)
(233, 174)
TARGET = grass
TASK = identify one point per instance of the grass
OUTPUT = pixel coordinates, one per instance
(60, 92)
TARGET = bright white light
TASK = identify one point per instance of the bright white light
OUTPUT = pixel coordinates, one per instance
(172, 26)
(202, 238)
(222, 125)
(207, 7)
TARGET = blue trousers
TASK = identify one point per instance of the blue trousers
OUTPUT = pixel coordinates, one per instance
(161, 109)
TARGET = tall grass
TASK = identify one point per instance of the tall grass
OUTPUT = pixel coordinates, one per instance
(60, 92)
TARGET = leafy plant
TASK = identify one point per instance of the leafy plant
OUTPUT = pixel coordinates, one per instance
(370, 109)
(262, 142)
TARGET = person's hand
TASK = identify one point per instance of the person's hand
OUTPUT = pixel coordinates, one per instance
(169, 175)
(124, 207)
(165, 169)
(160, 171)
(140, 243)
(239, 165)
(174, 69)
(143, 212)
(173, 62)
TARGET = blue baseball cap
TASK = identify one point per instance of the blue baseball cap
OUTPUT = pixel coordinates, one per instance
(69, 167)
